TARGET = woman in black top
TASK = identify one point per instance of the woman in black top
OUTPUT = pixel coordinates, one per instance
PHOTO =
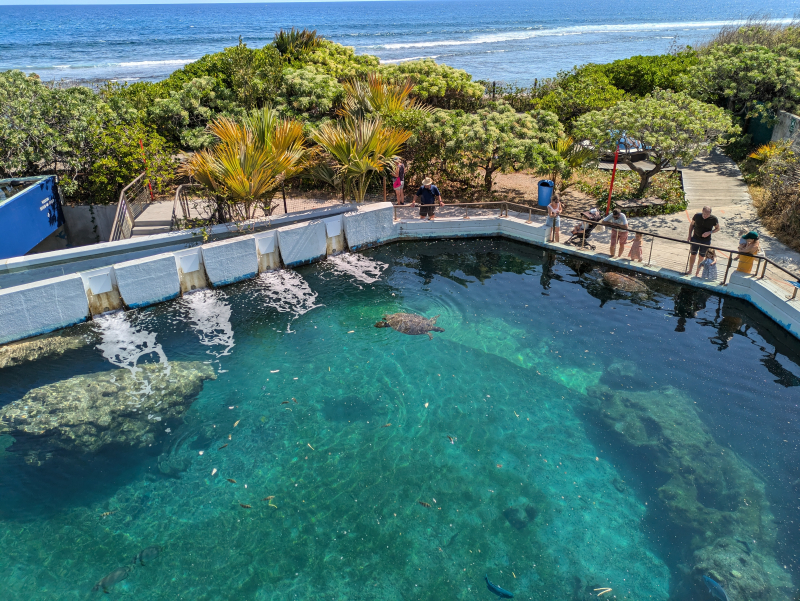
(399, 180)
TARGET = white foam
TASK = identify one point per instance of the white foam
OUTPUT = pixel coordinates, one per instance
(358, 267)
(123, 344)
(151, 63)
(287, 292)
(574, 30)
(211, 319)
(405, 60)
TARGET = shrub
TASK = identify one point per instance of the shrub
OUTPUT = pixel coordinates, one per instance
(666, 186)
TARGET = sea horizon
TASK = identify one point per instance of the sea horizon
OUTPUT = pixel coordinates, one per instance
(512, 42)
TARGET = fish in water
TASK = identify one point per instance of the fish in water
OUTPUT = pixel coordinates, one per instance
(147, 554)
(411, 324)
(269, 498)
(231, 480)
(223, 446)
(452, 440)
(715, 589)
(107, 513)
(385, 425)
(624, 283)
(246, 506)
(500, 592)
(424, 504)
(117, 575)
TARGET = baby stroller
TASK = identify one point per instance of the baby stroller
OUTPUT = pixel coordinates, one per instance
(582, 232)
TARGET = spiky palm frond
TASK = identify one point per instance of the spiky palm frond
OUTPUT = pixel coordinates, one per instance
(295, 41)
(375, 95)
(358, 149)
(768, 151)
(250, 160)
(571, 156)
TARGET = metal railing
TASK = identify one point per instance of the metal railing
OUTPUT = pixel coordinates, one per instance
(658, 250)
(133, 200)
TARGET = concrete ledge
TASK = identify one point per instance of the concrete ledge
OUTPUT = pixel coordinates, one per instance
(267, 250)
(519, 229)
(303, 243)
(369, 225)
(191, 270)
(41, 307)
(144, 282)
(230, 261)
(475, 227)
(334, 230)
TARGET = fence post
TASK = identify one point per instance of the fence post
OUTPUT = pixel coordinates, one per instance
(283, 191)
(763, 271)
(530, 215)
(727, 269)
(384, 188)
(650, 256)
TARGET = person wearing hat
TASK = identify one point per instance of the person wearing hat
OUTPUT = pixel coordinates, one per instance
(427, 193)
(700, 229)
(749, 245)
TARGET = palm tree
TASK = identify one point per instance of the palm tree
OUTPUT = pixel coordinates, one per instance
(249, 162)
(375, 95)
(355, 150)
(571, 156)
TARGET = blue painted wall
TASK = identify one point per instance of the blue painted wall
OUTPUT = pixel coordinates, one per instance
(30, 216)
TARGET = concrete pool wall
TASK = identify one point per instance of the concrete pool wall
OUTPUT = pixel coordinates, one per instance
(50, 304)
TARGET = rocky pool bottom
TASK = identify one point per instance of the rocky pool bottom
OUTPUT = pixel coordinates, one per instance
(266, 441)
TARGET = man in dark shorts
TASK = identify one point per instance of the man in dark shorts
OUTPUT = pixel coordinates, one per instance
(427, 193)
(703, 225)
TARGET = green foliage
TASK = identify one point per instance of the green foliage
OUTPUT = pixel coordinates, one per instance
(340, 61)
(758, 31)
(572, 156)
(293, 43)
(182, 117)
(666, 186)
(469, 148)
(577, 92)
(672, 126)
(309, 94)
(640, 75)
(43, 129)
(113, 158)
(438, 85)
(747, 80)
(779, 204)
(74, 134)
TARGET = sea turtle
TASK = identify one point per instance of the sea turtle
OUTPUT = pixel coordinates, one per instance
(408, 323)
(624, 283)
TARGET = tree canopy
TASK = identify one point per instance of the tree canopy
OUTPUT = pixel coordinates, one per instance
(670, 126)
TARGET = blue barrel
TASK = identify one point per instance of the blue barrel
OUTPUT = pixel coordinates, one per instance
(545, 191)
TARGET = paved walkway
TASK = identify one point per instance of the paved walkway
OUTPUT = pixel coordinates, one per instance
(155, 219)
(716, 181)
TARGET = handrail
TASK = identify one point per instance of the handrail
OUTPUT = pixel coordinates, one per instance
(531, 209)
(128, 209)
(180, 200)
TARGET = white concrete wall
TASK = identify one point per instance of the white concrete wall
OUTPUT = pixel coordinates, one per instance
(474, 227)
(303, 243)
(101, 290)
(230, 261)
(41, 307)
(370, 225)
(787, 127)
(144, 282)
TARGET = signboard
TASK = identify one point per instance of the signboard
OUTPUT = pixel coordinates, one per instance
(28, 216)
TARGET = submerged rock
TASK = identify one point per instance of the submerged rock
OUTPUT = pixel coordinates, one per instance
(87, 412)
(708, 492)
(37, 348)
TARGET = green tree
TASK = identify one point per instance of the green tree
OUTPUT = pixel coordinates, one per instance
(374, 95)
(339, 61)
(577, 92)
(469, 148)
(747, 80)
(438, 85)
(354, 151)
(248, 163)
(182, 117)
(671, 126)
(640, 75)
(309, 94)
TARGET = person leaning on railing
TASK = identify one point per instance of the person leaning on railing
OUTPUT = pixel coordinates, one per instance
(700, 229)
(427, 193)
(618, 223)
(748, 248)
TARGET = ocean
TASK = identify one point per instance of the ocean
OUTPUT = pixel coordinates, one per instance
(495, 40)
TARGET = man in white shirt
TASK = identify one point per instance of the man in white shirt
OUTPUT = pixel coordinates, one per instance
(619, 231)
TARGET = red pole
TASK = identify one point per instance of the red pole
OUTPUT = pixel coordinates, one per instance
(144, 160)
(613, 175)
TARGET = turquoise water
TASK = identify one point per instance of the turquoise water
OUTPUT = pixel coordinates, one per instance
(599, 440)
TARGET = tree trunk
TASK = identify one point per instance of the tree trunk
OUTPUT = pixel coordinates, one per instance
(644, 175)
(487, 177)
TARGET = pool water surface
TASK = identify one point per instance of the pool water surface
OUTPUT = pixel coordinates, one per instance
(266, 441)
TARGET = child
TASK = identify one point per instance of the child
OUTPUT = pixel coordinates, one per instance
(636, 248)
(709, 265)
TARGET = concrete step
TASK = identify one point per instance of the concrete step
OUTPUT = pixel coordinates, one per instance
(148, 231)
(152, 222)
